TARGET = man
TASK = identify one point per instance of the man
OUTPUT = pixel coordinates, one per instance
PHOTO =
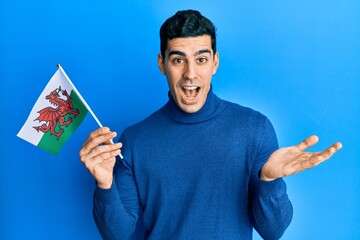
(199, 167)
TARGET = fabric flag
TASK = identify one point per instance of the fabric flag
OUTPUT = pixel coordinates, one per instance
(56, 114)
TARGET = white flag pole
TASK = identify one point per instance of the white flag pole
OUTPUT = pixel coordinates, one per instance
(83, 101)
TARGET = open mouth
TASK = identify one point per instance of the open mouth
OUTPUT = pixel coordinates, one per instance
(191, 92)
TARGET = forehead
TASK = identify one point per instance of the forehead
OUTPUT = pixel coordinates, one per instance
(189, 45)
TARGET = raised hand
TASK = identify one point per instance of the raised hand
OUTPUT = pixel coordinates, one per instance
(98, 155)
(291, 160)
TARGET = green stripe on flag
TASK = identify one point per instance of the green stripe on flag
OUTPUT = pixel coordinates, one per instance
(50, 142)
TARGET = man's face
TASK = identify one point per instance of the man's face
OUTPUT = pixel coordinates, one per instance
(189, 65)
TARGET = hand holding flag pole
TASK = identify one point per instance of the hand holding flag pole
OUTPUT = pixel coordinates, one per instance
(57, 113)
(83, 101)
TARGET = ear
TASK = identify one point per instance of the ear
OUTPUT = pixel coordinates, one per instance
(161, 63)
(216, 62)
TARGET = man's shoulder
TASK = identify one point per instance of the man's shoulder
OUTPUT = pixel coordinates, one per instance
(246, 119)
(242, 112)
(152, 121)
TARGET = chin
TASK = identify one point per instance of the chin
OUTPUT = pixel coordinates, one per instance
(193, 108)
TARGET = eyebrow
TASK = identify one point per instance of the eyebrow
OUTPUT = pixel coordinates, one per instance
(203, 51)
(175, 52)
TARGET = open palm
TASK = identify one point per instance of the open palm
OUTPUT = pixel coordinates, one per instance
(291, 160)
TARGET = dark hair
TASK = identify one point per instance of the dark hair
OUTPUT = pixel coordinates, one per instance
(187, 23)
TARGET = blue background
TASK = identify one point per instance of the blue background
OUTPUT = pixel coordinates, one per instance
(298, 62)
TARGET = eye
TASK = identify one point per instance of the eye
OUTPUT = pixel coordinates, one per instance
(202, 60)
(177, 60)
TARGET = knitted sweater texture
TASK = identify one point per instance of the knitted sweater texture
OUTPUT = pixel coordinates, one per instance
(195, 176)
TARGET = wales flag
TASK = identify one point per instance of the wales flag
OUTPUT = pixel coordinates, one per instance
(57, 113)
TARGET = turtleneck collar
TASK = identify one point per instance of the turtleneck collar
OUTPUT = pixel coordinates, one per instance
(210, 109)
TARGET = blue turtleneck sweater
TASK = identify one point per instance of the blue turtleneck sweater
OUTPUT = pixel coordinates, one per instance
(195, 176)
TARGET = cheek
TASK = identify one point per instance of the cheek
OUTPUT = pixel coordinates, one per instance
(172, 77)
(206, 75)
(171, 81)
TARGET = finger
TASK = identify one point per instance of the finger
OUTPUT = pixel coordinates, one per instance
(101, 153)
(110, 141)
(300, 166)
(102, 157)
(301, 162)
(326, 154)
(103, 149)
(97, 138)
(97, 132)
(308, 142)
(107, 160)
(95, 142)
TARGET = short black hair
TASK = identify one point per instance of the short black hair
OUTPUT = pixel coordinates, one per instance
(186, 23)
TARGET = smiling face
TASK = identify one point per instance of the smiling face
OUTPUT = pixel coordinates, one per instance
(188, 65)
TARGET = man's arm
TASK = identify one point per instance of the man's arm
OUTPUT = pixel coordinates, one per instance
(116, 210)
(269, 206)
(271, 209)
(116, 204)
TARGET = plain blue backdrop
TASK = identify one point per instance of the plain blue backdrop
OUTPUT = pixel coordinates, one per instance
(298, 62)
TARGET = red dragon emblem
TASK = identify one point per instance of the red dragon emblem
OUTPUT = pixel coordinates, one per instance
(53, 116)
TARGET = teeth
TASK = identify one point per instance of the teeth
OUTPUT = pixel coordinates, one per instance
(190, 88)
(190, 92)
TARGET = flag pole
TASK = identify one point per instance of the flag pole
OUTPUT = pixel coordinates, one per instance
(83, 101)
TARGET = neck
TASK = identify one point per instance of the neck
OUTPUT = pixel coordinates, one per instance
(208, 110)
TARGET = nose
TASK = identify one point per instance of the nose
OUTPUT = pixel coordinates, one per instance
(190, 71)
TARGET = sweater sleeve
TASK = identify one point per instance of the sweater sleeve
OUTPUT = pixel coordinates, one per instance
(270, 208)
(116, 209)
